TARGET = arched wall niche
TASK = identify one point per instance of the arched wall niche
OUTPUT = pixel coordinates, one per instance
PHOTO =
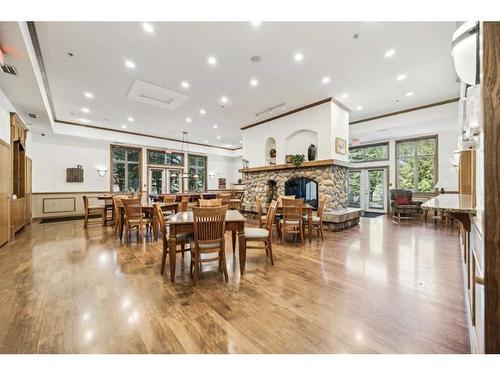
(299, 141)
(270, 145)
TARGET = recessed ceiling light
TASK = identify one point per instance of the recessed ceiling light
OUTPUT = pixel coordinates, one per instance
(148, 27)
(344, 96)
(224, 99)
(202, 111)
(130, 119)
(401, 77)
(215, 126)
(85, 110)
(130, 64)
(89, 95)
(218, 137)
(359, 108)
(254, 82)
(228, 145)
(188, 119)
(256, 23)
(124, 126)
(85, 120)
(205, 141)
(212, 60)
(298, 57)
(325, 79)
(241, 142)
(390, 52)
(185, 84)
(409, 93)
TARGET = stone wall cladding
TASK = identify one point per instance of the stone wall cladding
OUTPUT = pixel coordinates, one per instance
(332, 182)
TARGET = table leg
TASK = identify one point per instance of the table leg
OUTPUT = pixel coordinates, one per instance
(309, 225)
(242, 248)
(171, 252)
(233, 234)
(122, 219)
(154, 223)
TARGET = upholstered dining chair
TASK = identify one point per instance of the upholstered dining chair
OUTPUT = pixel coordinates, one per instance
(317, 221)
(93, 210)
(292, 218)
(263, 234)
(134, 219)
(209, 238)
(209, 202)
(180, 240)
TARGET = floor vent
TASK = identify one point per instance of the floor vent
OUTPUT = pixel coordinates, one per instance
(9, 69)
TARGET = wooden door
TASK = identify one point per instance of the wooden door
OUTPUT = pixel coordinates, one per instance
(4, 192)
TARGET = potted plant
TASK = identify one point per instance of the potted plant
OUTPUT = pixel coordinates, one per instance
(297, 159)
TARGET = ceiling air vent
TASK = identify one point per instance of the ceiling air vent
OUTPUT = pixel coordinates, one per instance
(9, 69)
(33, 116)
(158, 96)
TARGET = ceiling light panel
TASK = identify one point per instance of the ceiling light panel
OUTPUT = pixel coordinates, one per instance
(155, 95)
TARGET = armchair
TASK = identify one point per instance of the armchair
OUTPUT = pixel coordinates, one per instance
(402, 203)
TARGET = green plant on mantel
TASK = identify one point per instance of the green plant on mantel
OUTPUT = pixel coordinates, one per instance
(297, 159)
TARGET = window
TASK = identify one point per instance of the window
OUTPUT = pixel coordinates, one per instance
(158, 157)
(417, 164)
(197, 166)
(126, 168)
(376, 152)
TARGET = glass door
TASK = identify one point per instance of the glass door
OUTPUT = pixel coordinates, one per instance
(174, 181)
(157, 181)
(367, 189)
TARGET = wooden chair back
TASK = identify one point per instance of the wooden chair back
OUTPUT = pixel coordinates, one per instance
(209, 225)
(85, 202)
(225, 198)
(321, 208)
(281, 197)
(168, 198)
(258, 205)
(183, 206)
(271, 212)
(133, 210)
(210, 202)
(161, 222)
(292, 209)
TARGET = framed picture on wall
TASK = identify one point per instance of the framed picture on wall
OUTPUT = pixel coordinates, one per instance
(222, 183)
(340, 145)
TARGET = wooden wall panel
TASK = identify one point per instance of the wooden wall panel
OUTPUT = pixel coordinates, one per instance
(491, 124)
(4, 192)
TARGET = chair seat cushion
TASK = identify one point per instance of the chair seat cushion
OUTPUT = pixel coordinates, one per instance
(137, 221)
(290, 222)
(256, 233)
(314, 219)
(263, 217)
(408, 206)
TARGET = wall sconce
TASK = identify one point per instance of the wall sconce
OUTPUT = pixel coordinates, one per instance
(211, 174)
(101, 171)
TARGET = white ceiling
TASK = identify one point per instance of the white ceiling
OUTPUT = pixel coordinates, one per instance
(178, 52)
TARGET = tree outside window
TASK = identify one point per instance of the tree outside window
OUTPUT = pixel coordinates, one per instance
(197, 165)
(125, 169)
(417, 164)
(369, 153)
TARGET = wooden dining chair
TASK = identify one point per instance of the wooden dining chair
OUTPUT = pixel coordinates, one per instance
(117, 207)
(209, 238)
(93, 210)
(281, 197)
(183, 206)
(317, 221)
(263, 234)
(181, 240)
(134, 218)
(292, 218)
(170, 198)
(209, 202)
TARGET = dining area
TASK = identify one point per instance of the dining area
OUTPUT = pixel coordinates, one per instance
(201, 224)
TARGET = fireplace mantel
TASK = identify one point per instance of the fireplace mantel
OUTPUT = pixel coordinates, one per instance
(306, 164)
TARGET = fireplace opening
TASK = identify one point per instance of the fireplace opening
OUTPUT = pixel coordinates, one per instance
(303, 187)
(272, 191)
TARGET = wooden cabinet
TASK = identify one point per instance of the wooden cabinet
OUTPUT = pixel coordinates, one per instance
(4, 192)
(20, 176)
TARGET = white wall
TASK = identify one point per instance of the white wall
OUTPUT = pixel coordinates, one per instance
(299, 142)
(5, 109)
(52, 154)
(441, 121)
(317, 119)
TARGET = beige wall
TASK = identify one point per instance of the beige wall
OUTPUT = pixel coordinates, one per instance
(62, 204)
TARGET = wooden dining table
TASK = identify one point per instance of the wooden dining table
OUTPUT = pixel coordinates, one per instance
(307, 209)
(182, 222)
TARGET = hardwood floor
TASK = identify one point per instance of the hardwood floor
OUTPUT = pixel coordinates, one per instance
(376, 288)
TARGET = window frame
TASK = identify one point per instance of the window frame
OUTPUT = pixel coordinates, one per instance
(139, 162)
(415, 177)
(166, 151)
(205, 188)
(386, 144)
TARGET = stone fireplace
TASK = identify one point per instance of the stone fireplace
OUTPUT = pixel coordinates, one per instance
(269, 182)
